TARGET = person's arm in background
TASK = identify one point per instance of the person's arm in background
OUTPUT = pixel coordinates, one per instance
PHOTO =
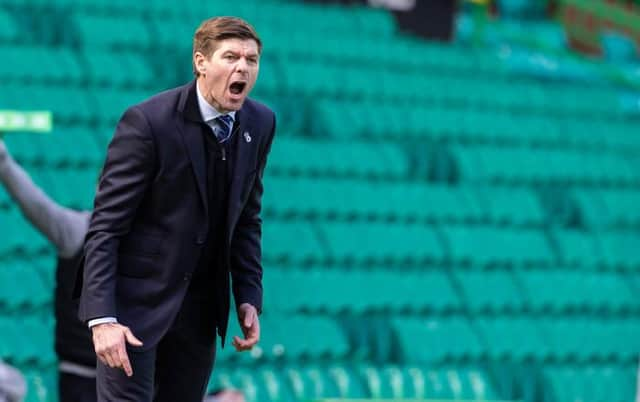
(13, 387)
(246, 267)
(65, 228)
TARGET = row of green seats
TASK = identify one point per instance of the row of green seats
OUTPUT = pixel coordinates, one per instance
(575, 291)
(436, 340)
(298, 157)
(20, 237)
(485, 246)
(105, 29)
(290, 338)
(9, 31)
(66, 66)
(493, 291)
(582, 339)
(351, 199)
(345, 81)
(537, 166)
(607, 208)
(74, 105)
(64, 147)
(359, 119)
(40, 63)
(313, 382)
(34, 291)
(27, 341)
(588, 338)
(606, 249)
(354, 50)
(481, 246)
(336, 291)
(615, 383)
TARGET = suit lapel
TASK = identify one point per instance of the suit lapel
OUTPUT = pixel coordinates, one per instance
(191, 129)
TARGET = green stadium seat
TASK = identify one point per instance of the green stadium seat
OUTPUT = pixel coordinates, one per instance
(112, 103)
(577, 291)
(39, 63)
(32, 293)
(112, 32)
(577, 247)
(619, 249)
(364, 200)
(27, 341)
(590, 383)
(336, 291)
(512, 339)
(408, 382)
(590, 339)
(22, 238)
(75, 188)
(490, 291)
(292, 243)
(300, 338)
(9, 31)
(314, 158)
(608, 208)
(116, 69)
(484, 246)
(450, 340)
(511, 206)
(381, 243)
(73, 147)
(516, 166)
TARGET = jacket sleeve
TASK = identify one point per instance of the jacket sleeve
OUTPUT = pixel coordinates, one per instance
(64, 227)
(126, 176)
(246, 249)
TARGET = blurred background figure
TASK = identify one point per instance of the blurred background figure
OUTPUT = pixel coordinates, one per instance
(225, 395)
(12, 385)
(65, 229)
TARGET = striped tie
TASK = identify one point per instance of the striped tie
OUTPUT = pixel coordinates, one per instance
(223, 127)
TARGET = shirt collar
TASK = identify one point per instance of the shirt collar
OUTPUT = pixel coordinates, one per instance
(208, 112)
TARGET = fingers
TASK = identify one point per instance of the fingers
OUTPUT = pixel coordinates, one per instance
(132, 339)
(124, 360)
(248, 318)
(251, 334)
(240, 344)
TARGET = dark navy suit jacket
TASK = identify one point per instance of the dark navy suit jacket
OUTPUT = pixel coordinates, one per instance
(151, 220)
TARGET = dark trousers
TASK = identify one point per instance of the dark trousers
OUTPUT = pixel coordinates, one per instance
(74, 388)
(177, 369)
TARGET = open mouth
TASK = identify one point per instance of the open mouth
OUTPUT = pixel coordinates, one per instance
(237, 87)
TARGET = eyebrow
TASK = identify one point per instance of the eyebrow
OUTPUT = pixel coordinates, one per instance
(235, 52)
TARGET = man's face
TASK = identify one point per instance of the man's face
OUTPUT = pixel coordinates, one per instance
(227, 77)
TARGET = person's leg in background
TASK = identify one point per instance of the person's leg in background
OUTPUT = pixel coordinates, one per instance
(75, 388)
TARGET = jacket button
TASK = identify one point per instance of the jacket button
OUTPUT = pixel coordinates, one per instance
(186, 277)
(200, 240)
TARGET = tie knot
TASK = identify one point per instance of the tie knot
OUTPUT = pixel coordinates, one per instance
(225, 122)
(225, 119)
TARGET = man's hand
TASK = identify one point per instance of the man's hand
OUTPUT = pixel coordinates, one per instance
(248, 318)
(109, 343)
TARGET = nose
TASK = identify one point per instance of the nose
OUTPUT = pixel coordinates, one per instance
(241, 66)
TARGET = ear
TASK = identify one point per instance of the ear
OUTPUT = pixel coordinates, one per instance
(199, 61)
